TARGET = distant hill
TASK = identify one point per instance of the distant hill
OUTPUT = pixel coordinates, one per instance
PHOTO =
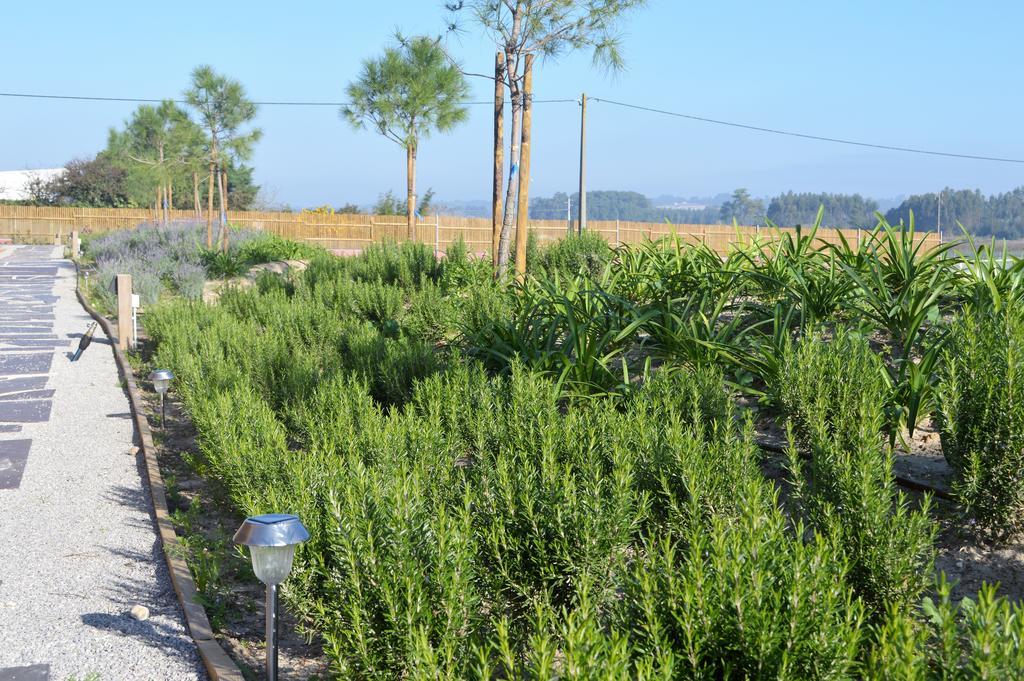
(621, 205)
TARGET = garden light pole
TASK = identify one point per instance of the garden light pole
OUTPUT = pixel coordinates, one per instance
(161, 381)
(271, 539)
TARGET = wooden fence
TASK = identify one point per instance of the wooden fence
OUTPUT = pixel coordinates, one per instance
(31, 224)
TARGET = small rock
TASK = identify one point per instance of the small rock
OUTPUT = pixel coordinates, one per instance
(140, 612)
(960, 565)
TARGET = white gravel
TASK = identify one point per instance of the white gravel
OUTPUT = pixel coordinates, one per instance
(78, 547)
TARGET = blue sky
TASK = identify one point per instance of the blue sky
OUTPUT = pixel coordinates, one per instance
(939, 75)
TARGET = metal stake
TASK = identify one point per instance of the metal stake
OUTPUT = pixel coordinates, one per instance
(161, 410)
(271, 632)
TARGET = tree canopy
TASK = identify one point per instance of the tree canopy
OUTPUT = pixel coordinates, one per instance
(841, 210)
(406, 94)
(743, 209)
(223, 110)
(619, 205)
(998, 215)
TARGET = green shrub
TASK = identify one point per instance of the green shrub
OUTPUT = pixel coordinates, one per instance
(834, 394)
(462, 270)
(271, 248)
(221, 265)
(571, 329)
(981, 415)
(587, 252)
(431, 314)
(977, 638)
(409, 264)
(382, 304)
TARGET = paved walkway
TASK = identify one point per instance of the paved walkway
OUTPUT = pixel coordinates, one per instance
(78, 547)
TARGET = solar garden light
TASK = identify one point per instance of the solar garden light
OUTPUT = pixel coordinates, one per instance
(271, 539)
(161, 381)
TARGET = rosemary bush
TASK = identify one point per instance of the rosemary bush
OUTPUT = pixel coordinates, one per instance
(835, 395)
(981, 416)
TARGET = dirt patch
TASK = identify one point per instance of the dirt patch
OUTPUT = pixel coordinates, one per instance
(921, 460)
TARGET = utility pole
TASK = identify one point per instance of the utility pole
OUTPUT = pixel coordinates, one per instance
(583, 163)
(568, 213)
(499, 155)
(938, 218)
(523, 209)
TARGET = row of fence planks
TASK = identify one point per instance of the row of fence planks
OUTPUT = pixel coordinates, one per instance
(32, 224)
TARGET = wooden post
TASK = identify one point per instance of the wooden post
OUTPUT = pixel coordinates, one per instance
(499, 155)
(124, 311)
(437, 234)
(74, 243)
(582, 225)
(522, 213)
(618, 241)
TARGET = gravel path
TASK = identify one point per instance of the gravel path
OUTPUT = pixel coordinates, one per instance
(78, 546)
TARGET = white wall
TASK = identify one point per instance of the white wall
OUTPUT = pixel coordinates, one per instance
(14, 183)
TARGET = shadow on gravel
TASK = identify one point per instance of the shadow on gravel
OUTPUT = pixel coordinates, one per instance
(134, 498)
(153, 591)
(155, 634)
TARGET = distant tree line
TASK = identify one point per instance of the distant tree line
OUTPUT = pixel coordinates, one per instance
(841, 210)
(621, 205)
(998, 215)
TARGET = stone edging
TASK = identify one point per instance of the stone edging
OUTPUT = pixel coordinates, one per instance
(218, 664)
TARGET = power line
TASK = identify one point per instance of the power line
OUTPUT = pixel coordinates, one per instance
(702, 119)
(819, 138)
(140, 100)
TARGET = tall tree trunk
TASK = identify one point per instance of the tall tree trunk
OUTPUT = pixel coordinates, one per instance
(523, 210)
(512, 47)
(209, 211)
(157, 204)
(513, 177)
(195, 194)
(410, 169)
(170, 196)
(223, 192)
(499, 155)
